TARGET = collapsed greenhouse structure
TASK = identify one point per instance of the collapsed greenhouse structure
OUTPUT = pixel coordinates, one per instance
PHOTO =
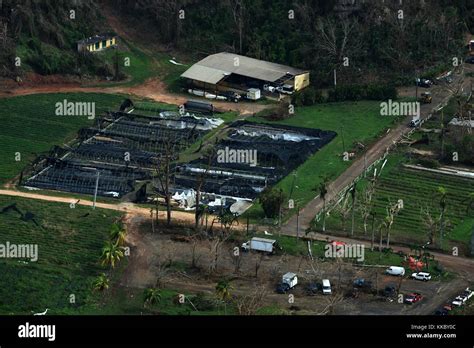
(278, 151)
(119, 152)
(119, 157)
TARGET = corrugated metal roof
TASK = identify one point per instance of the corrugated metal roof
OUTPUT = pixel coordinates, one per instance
(221, 64)
(205, 74)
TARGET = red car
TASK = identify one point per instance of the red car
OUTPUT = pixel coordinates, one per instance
(413, 298)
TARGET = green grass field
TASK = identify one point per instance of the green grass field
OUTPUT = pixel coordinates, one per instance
(353, 121)
(30, 126)
(69, 243)
(69, 247)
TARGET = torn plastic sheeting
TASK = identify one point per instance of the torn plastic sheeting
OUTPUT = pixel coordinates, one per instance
(225, 173)
(277, 136)
(186, 199)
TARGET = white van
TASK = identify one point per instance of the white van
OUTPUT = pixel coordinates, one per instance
(326, 287)
(395, 271)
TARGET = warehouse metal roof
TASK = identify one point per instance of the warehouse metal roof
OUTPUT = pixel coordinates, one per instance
(214, 68)
(204, 74)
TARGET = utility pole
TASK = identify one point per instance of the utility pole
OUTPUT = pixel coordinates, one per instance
(279, 209)
(365, 164)
(297, 221)
(96, 188)
(416, 88)
(343, 144)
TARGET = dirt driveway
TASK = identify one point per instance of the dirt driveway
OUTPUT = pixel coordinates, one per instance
(150, 252)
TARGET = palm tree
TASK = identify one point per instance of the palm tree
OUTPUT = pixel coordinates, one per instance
(223, 290)
(111, 254)
(152, 296)
(101, 283)
(118, 234)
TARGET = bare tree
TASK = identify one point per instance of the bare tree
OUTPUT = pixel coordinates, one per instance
(199, 185)
(392, 211)
(258, 263)
(430, 222)
(163, 176)
(366, 204)
(344, 209)
(237, 7)
(250, 303)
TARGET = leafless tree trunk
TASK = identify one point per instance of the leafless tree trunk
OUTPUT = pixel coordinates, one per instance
(163, 175)
(258, 263)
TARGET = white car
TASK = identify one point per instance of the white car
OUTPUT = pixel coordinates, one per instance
(269, 88)
(421, 276)
(286, 89)
(468, 293)
(459, 301)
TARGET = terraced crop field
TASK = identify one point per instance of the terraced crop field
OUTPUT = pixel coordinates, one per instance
(69, 247)
(419, 190)
(31, 127)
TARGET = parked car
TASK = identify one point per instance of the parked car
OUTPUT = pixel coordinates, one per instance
(269, 88)
(395, 271)
(421, 276)
(415, 122)
(282, 288)
(425, 83)
(468, 292)
(390, 291)
(231, 96)
(459, 301)
(326, 287)
(412, 298)
(470, 60)
(441, 311)
(448, 307)
(285, 89)
(362, 283)
(314, 288)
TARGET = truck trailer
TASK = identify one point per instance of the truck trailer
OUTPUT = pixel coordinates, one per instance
(260, 244)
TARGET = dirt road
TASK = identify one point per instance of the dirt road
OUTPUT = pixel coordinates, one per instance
(152, 89)
(130, 208)
(307, 214)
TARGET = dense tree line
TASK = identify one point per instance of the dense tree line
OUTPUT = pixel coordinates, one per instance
(375, 40)
(316, 34)
(43, 33)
